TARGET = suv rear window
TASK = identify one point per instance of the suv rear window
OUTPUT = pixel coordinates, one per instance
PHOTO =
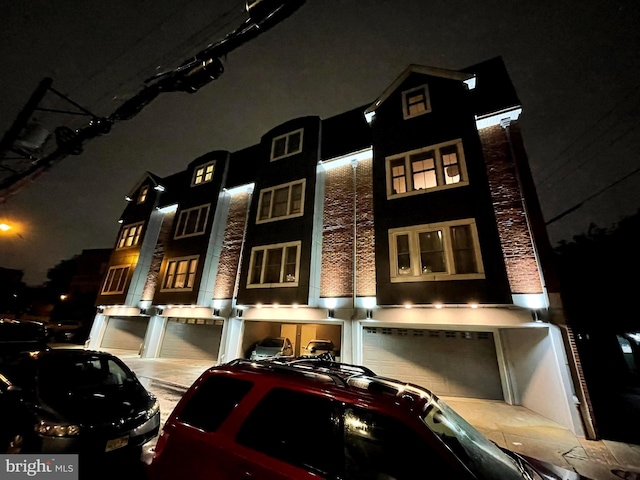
(213, 401)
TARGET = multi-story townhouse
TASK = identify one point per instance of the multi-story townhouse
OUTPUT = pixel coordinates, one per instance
(407, 231)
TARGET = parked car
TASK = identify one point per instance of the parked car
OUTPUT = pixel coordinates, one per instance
(235, 422)
(318, 347)
(21, 335)
(73, 401)
(272, 347)
(66, 331)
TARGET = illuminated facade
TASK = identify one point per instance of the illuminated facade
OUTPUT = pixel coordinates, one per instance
(407, 231)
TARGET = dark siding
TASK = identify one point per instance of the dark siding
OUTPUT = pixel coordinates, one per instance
(451, 118)
(271, 173)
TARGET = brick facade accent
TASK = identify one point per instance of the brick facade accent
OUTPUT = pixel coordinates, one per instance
(158, 254)
(228, 271)
(337, 232)
(515, 237)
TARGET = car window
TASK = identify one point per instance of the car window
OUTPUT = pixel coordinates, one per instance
(213, 401)
(271, 342)
(297, 428)
(380, 447)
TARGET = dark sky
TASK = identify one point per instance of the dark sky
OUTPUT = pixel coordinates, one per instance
(575, 66)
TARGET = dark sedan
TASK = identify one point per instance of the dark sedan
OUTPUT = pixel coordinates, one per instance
(73, 401)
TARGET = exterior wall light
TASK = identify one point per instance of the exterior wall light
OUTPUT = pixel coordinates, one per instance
(438, 305)
(128, 198)
(407, 305)
(369, 313)
(473, 305)
(216, 312)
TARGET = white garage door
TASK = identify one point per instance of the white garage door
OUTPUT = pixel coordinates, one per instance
(194, 338)
(125, 333)
(449, 363)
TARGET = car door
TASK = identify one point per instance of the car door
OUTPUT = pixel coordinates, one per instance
(289, 435)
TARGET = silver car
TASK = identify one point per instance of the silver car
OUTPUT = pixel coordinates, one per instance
(272, 347)
(318, 347)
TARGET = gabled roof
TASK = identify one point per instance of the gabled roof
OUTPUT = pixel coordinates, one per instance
(421, 69)
(155, 180)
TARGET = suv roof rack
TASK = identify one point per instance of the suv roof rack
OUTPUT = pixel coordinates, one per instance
(345, 374)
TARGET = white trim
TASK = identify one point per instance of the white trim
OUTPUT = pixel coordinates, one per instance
(126, 267)
(177, 260)
(464, 179)
(360, 155)
(415, 275)
(185, 214)
(203, 167)
(273, 189)
(287, 136)
(427, 102)
(497, 118)
(265, 249)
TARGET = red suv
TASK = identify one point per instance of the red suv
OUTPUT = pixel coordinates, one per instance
(311, 418)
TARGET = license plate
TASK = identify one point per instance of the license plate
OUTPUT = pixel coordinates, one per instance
(116, 443)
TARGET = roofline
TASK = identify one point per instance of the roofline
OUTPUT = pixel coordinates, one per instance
(421, 69)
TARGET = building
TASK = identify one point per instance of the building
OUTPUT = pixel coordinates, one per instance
(407, 231)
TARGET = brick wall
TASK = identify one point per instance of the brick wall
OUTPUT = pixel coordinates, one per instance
(226, 280)
(337, 232)
(517, 247)
(158, 254)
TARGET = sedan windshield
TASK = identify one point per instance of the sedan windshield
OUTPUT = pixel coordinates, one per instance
(271, 342)
(483, 457)
(65, 376)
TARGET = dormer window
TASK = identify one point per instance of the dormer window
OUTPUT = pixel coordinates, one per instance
(286, 145)
(203, 174)
(416, 102)
(142, 196)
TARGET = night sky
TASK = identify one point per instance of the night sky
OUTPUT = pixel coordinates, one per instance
(574, 64)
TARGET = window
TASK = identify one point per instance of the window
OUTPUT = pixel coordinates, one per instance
(282, 201)
(116, 280)
(203, 174)
(274, 266)
(181, 273)
(142, 196)
(378, 446)
(130, 235)
(416, 102)
(427, 169)
(192, 221)
(213, 401)
(438, 251)
(285, 145)
(266, 430)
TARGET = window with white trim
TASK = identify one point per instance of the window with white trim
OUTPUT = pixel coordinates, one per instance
(142, 196)
(180, 273)
(437, 251)
(203, 174)
(282, 201)
(192, 221)
(274, 266)
(116, 280)
(130, 235)
(427, 169)
(416, 102)
(286, 145)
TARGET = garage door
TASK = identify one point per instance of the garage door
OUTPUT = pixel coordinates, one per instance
(125, 333)
(449, 363)
(194, 338)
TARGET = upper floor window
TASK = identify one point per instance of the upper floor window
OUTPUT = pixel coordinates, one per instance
(192, 221)
(274, 265)
(181, 273)
(285, 145)
(142, 196)
(281, 201)
(203, 174)
(415, 102)
(439, 251)
(430, 168)
(130, 235)
(116, 280)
